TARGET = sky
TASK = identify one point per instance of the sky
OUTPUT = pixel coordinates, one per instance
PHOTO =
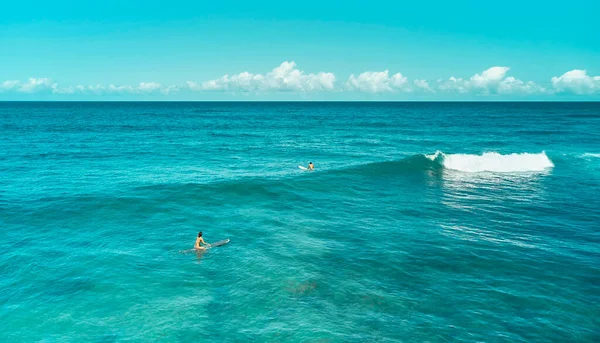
(310, 50)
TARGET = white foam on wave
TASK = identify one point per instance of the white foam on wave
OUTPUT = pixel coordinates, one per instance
(587, 154)
(493, 162)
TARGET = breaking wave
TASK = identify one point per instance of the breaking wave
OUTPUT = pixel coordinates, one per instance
(493, 162)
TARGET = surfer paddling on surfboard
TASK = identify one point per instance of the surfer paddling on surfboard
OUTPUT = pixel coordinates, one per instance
(199, 240)
(311, 166)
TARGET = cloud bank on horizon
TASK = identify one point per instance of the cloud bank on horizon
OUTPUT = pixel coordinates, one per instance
(288, 78)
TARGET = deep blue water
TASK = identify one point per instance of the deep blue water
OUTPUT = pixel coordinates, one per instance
(423, 222)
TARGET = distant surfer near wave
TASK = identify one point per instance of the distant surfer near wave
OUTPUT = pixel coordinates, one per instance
(199, 240)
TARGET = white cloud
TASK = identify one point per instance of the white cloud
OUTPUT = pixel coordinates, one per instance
(142, 88)
(486, 81)
(378, 82)
(90, 89)
(285, 77)
(510, 85)
(119, 89)
(288, 78)
(489, 77)
(149, 86)
(9, 85)
(35, 85)
(490, 81)
(63, 90)
(169, 89)
(576, 81)
(453, 84)
(194, 86)
(424, 85)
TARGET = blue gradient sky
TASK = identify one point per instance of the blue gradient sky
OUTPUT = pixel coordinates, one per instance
(69, 43)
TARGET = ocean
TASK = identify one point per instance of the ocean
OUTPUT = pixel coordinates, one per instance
(422, 222)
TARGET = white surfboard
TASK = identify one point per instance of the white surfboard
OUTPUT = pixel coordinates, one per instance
(302, 167)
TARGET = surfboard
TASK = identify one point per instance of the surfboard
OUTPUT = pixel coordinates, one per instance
(302, 167)
(219, 243)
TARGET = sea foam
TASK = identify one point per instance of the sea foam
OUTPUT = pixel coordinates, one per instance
(493, 162)
(587, 154)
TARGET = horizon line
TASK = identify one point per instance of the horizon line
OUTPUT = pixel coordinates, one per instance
(300, 101)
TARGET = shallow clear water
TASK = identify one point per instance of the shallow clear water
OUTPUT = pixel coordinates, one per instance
(410, 229)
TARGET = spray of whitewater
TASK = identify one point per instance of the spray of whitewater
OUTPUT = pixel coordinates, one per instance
(493, 162)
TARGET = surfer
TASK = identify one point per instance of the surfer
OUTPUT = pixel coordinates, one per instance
(311, 166)
(199, 240)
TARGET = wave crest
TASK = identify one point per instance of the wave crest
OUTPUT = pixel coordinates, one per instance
(493, 162)
(588, 154)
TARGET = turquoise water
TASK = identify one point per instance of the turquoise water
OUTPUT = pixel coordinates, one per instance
(423, 222)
